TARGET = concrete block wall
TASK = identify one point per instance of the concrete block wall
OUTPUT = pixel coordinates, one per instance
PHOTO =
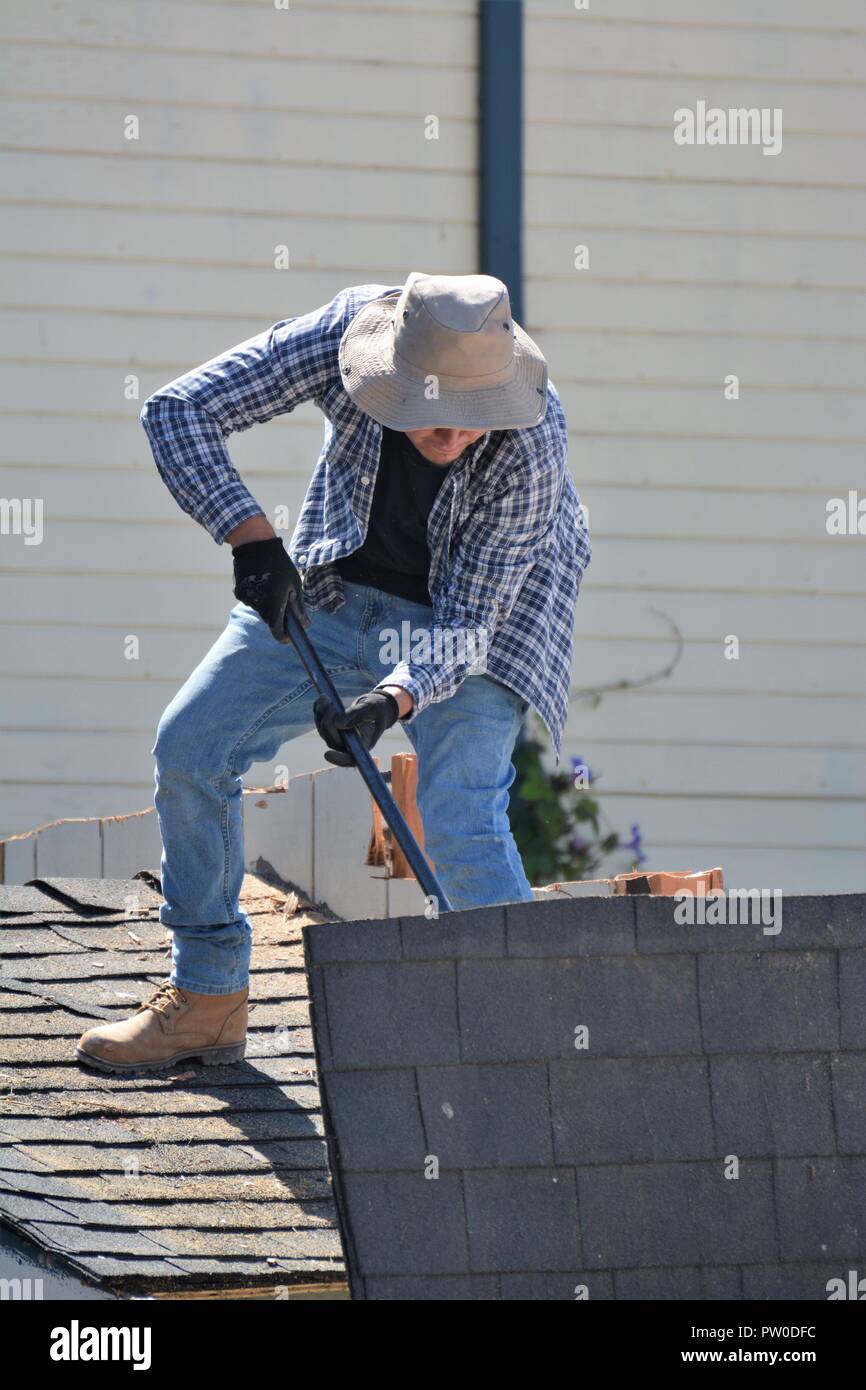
(478, 1153)
(314, 833)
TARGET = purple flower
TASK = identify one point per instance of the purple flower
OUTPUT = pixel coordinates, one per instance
(636, 844)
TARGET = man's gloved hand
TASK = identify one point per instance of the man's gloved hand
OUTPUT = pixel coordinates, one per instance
(369, 715)
(267, 580)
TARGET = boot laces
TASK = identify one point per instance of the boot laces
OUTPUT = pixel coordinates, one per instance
(166, 996)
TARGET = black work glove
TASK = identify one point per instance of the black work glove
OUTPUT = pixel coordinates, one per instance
(267, 581)
(369, 715)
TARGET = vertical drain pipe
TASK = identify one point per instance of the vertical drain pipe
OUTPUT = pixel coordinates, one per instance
(500, 152)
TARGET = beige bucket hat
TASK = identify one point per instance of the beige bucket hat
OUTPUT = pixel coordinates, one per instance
(445, 351)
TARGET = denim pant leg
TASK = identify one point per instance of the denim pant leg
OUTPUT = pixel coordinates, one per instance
(464, 748)
(248, 696)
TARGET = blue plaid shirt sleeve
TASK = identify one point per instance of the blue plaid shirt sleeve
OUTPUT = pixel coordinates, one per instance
(188, 420)
(500, 544)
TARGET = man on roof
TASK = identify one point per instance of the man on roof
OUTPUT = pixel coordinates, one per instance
(441, 503)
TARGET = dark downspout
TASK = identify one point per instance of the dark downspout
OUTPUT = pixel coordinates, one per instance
(500, 150)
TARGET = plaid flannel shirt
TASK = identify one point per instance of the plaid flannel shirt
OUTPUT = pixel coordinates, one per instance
(507, 536)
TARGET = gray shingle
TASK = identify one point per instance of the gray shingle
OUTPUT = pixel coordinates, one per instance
(624, 1110)
(822, 1208)
(581, 1286)
(377, 940)
(376, 1119)
(849, 1089)
(782, 1002)
(521, 1220)
(696, 1282)
(765, 1105)
(404, 1223)
(486, 1117)
(479, 931)
(676, 1214)
(852, 991)
(378, 1013)
(521, 1010)
(581, 926)
(438, 1288)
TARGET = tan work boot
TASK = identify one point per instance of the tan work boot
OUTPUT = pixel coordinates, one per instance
(172, 1025)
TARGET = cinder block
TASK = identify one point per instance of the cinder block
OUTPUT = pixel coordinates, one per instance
(782, 1002)
(766, 1105)
(341, 835)
(779, 1282)
(522, 1010)
(376, 1119)
(278, 827)
(405, 898)
(822, 1208)
(346, 941)
(591, 1286)
(629, 1110)
(477, 931)
(131, 843)
(19, 859)
(849, 1089)
(522, 1219)
(404, 1223)
(697, 1282)
(439, 1288)
(676, 1214)
(852, 993)
(383, 1014)
(486, 1117)
(69, 849)
(586, 926)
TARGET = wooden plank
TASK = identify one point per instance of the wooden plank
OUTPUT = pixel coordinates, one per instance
(148, 181)
(305, 31)
(705, 768)
(668, 461)
(235, 81)
(640, 153)
(741, 719)
(580, 44)
(196, 238)
(717, 309)
(780, 823)
(649, 99)
(404, 785)
(266, 138)
(703, 205)
(678, 254)
(797, 14)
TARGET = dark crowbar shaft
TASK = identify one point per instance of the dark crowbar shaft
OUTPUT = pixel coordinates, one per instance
(376, 783)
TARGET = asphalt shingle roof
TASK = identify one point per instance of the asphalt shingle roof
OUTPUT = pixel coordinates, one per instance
(199, 1177)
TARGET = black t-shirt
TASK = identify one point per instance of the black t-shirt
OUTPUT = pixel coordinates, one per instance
(395, 556)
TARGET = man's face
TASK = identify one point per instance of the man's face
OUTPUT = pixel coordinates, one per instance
(443, 446)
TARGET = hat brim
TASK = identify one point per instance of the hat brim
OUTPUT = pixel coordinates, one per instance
(397, 396)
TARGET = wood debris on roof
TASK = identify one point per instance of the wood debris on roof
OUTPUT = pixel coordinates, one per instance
(196, 1178)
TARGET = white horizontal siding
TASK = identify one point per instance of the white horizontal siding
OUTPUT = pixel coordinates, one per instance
(259, 128)
(706, 513)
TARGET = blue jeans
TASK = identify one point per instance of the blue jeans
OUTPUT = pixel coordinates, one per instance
(249, 696)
